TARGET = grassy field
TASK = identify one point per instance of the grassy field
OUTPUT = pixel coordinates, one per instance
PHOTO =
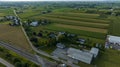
(15, 36)
(4, 12)
(114, 26)
(28, 13)
(108, 58)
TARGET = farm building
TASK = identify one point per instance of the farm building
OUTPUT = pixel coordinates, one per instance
(35, 23)
(112, 42)
(83, 56)
(94, 51)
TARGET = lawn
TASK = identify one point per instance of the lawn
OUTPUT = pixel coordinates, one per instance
(15, 36)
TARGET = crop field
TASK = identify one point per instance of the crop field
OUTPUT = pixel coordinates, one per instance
(15, 36)
(1, 14)
(114, 26)
(74, 22)
(79, 23)
(82, 28)
(97, 21)
(28, 13)
(4, 12)
(76, 31)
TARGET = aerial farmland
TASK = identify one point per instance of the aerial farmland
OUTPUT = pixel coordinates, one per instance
(52, 30)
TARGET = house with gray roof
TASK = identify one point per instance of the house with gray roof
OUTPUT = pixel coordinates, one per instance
(60, 45)
(35, 23)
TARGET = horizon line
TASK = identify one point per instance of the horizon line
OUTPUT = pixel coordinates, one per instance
(57, 1)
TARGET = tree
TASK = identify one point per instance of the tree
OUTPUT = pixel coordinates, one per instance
(34, 39)
(52, 41)
(34, 33)
(103, 16)
(40, 34)
(15, 60)
(18, 64)
(25, 64)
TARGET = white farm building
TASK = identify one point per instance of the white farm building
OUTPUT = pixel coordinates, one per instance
(113, 42)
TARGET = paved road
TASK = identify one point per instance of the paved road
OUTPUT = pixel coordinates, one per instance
(27, 55)
(7, 64)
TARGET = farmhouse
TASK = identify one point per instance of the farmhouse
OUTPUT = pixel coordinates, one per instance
(16, 22)
(83, 56)
(60, 45)
(35, 23)
(113, 42)
(52, 35)
(61, 33)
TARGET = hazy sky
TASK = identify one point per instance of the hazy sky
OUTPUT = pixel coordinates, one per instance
(59, 0)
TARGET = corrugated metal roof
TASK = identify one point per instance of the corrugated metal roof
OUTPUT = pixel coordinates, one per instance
(94, 51)
(80, 55)
(114, 39)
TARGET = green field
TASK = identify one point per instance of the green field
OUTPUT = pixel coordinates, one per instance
(4, 12)
(114, 26)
